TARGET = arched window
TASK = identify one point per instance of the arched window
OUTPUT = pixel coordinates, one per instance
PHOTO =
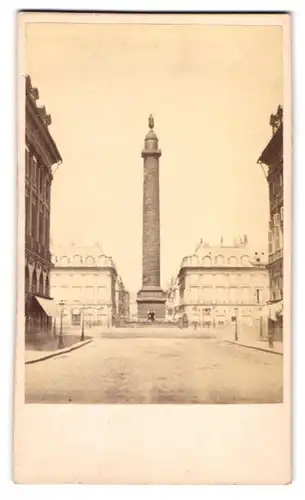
(41, 284)
(64, 261)
(232, 261)
(77, 260)
(27, 279)
(245, 260)
(34, 282)
(101, 260)
(219, 261)
(194, 260)
(90, 261)
(206, 261)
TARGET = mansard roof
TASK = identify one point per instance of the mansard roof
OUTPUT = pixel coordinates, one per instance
(81, 256)
(238, 255)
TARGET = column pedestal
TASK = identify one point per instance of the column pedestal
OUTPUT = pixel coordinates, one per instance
(151, 298)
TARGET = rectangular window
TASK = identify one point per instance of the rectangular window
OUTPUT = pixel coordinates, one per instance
(88, 318)
(207, 294)
(75, 319)
(270, 242)
(34, 220)
(46, 191)
(34, 170)
(220, 294)
(41, 228)
(231, 294)
(89, 293)
(27, 215)
(41, 180)
(277, 238)
(47, 231)
(101, 293)
(38, 178)
(27, 156)
(76, 293)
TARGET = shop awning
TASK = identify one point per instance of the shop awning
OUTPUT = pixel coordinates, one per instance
(275, 309)
(271, 310)
(48, 305)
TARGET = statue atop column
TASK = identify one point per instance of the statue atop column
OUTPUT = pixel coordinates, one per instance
(151, 122)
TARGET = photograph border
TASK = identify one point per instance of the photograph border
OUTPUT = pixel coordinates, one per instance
(241, 424)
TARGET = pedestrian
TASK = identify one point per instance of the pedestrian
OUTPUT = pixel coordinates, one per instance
(270, 338)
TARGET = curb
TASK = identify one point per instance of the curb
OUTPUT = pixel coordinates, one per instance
(58, 353)
(255, 347)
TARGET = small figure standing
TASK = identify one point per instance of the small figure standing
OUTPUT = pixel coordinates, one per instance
(270, 339)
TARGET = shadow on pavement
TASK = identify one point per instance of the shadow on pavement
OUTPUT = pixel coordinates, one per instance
(51, 343)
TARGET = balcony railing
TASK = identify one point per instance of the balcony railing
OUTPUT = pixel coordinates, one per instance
(276, 256)
(38, 248)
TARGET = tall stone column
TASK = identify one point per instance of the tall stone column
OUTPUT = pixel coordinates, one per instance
(151, 296)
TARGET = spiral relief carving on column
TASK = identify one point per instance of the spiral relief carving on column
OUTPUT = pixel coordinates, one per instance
(151, 296)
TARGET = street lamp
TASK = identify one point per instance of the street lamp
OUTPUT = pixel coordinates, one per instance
(195, 315)
(82, 337)
(108, 315)
(61, 338)
(260, 324)
(236, 326)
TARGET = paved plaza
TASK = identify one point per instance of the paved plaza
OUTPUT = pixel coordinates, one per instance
(155, 368)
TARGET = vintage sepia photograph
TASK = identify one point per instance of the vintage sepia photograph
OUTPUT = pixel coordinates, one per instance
(154, 235)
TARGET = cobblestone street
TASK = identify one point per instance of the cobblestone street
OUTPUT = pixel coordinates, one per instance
(157, 369)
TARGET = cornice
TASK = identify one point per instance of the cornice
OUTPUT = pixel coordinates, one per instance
(39, 135)
(222, 269)
(221, 304)
(85, 268)
(36, 257)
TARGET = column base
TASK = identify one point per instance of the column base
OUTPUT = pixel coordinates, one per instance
(151, 299)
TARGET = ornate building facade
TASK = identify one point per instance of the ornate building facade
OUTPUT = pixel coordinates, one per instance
(86, 280)
(122, 303)
(217, 283)
(41, 154)
(172, 300)
(272, 157)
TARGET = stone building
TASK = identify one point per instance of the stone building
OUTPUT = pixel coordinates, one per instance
(272, 157)
(172, 300)
(41, 154)
(87, 281)
(123, 303)
(217, 283)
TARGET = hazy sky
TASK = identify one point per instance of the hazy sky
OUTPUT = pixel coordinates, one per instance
(211, 90)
